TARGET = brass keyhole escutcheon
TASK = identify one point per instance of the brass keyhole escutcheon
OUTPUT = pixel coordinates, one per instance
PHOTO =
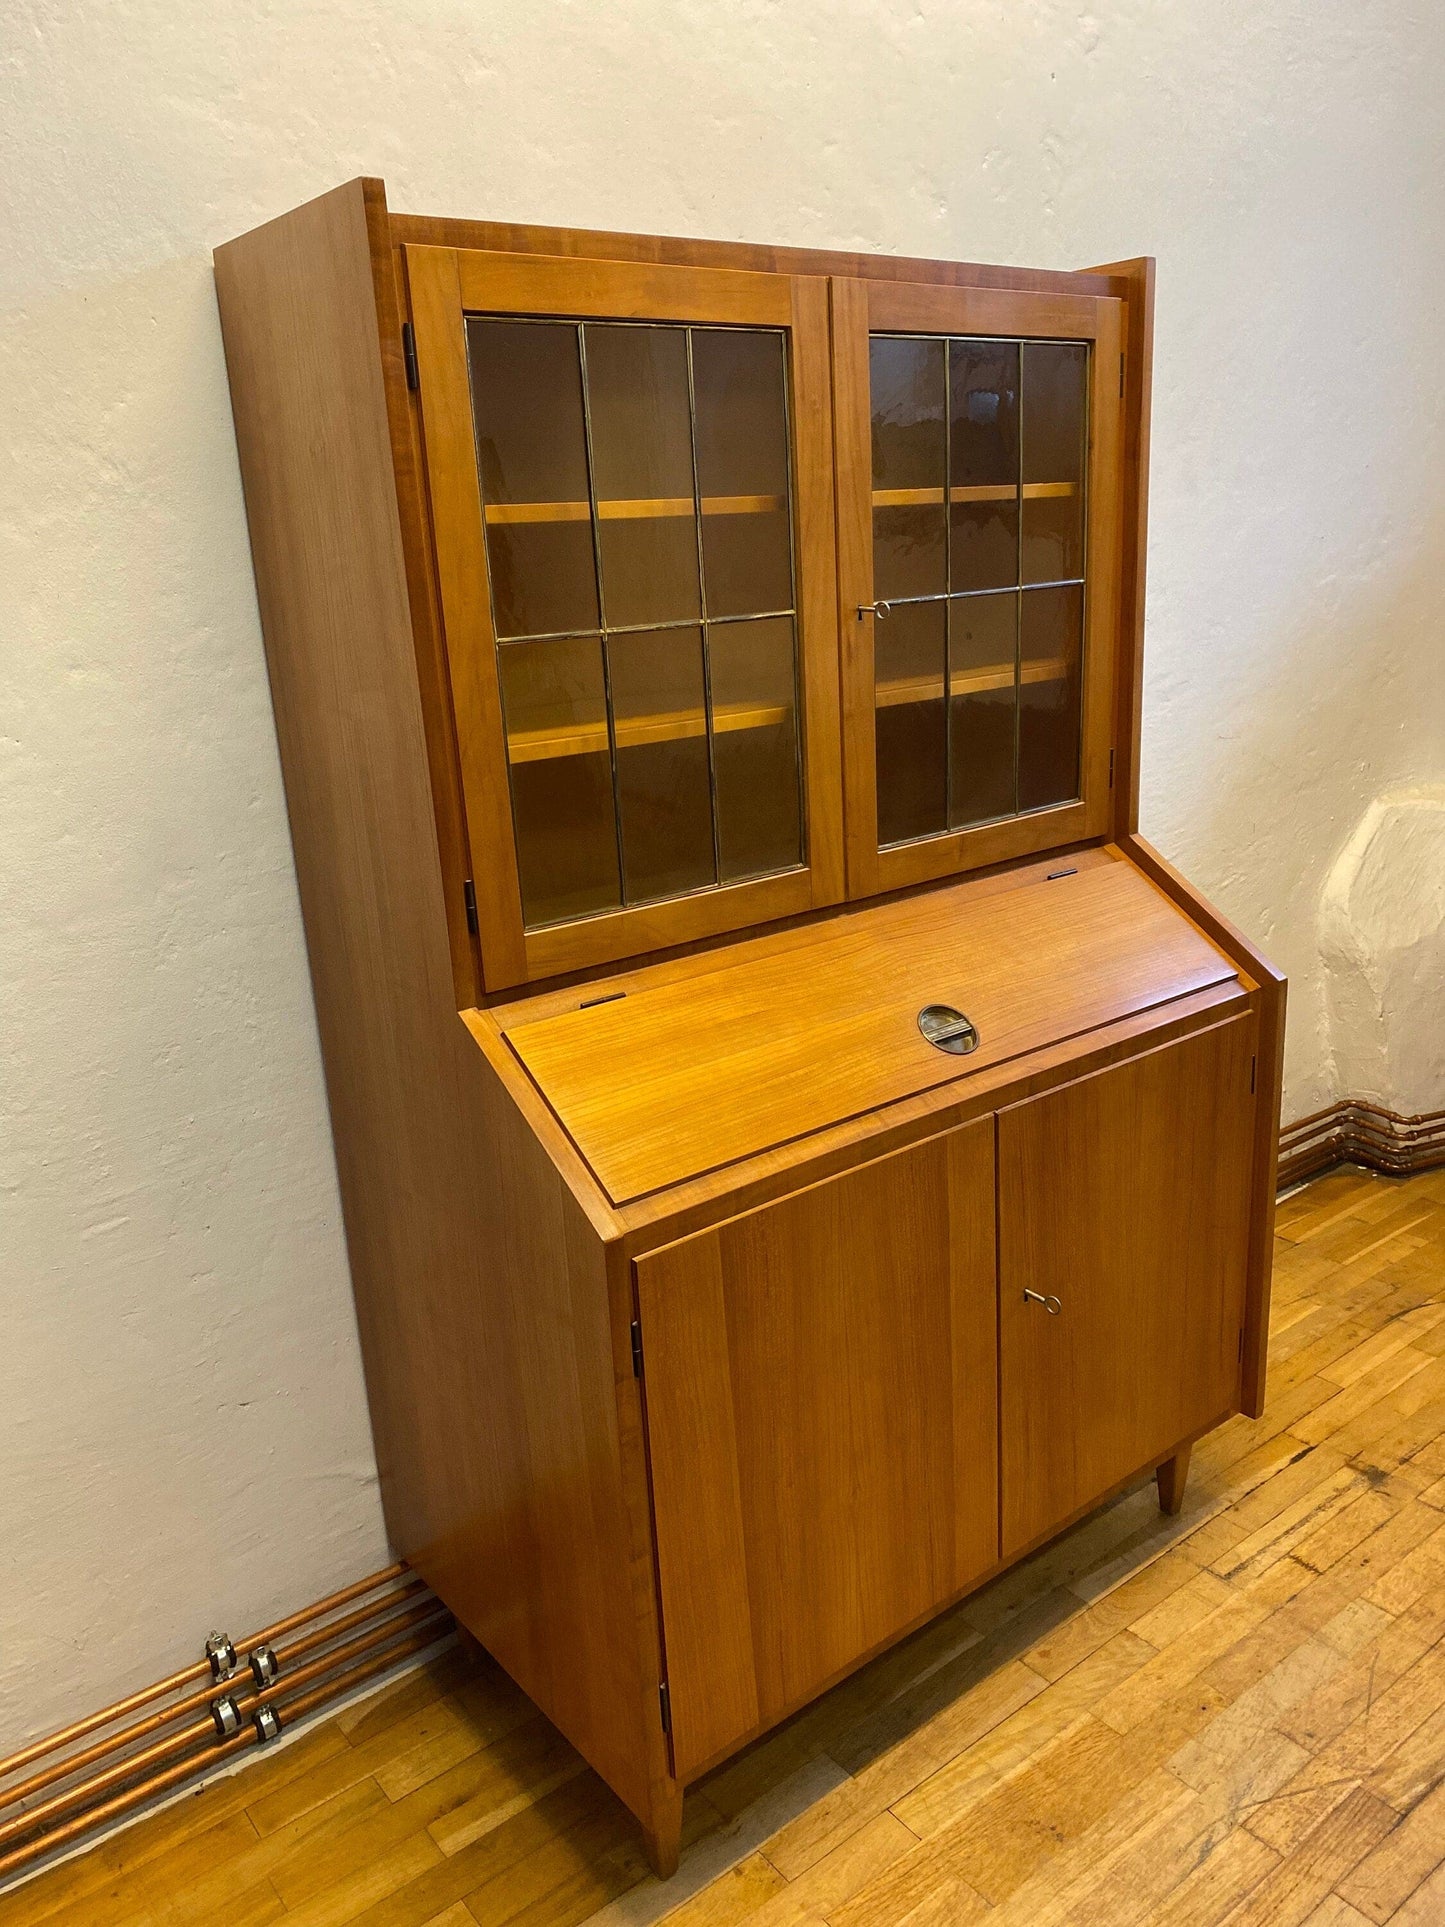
(948, 1029)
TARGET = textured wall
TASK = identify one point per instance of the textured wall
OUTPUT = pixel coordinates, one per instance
(182, 1431)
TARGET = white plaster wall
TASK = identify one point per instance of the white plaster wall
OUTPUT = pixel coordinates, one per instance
(183, 1436)
(1382, 942)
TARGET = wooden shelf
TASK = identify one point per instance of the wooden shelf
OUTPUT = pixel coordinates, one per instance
(653, 508)
(972, 682)
(913, 498)
(589, 739)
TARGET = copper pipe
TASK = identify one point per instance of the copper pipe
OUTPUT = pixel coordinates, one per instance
(290, 1711)
(433, 1613)
(201, 1731)
(1333, 1113)
(342, 1598)
(201, 1670)
(241, 1685)
(297, 1709)
(296, 1647)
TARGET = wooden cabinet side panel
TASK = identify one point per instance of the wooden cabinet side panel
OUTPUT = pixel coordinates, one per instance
(480, 1286)
(533, 1542)
(821, 1421)
(1271, 997)
(1138, 278)
(1125, 1199)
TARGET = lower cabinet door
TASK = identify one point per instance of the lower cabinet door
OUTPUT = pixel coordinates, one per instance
(819, 1380)
(1123, 1206)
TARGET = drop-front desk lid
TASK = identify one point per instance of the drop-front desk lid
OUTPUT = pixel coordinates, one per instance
(784, 1035)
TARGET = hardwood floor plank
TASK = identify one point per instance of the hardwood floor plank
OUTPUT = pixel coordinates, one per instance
(1426, 1906)
(940, 1799)
(1233, 1870)
(886, 1779)
(1403, 1861)
(1291, 1891)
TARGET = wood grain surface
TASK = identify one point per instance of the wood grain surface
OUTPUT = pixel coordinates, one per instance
(1124, 1204)
(819, 1383)
(668, 1082)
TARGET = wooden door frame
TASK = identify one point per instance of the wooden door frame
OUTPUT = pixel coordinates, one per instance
(859, 308)
(445, 284)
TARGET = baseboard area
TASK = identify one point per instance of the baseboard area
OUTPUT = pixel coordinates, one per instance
(62, 1793)
(1356, 1132)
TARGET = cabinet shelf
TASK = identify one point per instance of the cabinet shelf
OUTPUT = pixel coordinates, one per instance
(970, 682)
(667, 726)
(646, 508)
(917, 498)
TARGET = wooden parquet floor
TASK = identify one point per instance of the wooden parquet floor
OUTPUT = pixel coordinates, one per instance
(1237, 1715)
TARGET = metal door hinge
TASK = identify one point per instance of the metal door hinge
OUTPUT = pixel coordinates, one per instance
(1121, 377)
(408, 351)
(1252, 1062)
(664, 1706)
(469, 896)
(636, 1348)
(1111, 769)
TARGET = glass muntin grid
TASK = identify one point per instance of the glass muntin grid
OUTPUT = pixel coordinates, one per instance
(1019, 588)
(703, 624)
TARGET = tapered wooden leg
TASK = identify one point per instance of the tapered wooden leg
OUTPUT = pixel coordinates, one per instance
(1171, 1476)
(662, 1834)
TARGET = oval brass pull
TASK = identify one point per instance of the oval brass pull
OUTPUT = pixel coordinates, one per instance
(948, 1029)
(1050, 1304)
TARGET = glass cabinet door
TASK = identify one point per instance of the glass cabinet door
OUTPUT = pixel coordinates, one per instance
(622, 464)
(978, 464)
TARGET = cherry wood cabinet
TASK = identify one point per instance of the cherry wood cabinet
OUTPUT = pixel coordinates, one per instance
(819, 1379)
(979, 486)
(1123, 1235)
(800, 1148)
(631, 488)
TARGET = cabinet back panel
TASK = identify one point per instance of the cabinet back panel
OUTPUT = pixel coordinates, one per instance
(680, 1078)
(819, 1380)
(1124, 1197)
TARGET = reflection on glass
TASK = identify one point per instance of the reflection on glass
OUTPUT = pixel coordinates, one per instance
(532, 461)
(910, 460)
(555, 714)
(911, 724)
(742, 469)
(1055, 381)
(1051, 629)
(755, 747)
(983, 384)
(642, 471)
(663, 792)
(982, 654)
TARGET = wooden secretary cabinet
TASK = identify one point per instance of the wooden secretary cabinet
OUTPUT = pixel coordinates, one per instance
(800, 1148)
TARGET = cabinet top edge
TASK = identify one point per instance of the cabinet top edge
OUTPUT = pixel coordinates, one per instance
(608, 244)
